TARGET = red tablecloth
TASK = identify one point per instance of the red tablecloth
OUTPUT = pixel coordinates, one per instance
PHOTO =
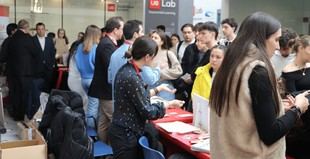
(176, 115)
(175, 142)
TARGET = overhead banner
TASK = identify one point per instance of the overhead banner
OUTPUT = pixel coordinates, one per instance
(161, 12)
(207, 10)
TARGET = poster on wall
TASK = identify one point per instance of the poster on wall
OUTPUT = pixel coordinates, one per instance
(161, 12)
(4, 21)
(207, 10)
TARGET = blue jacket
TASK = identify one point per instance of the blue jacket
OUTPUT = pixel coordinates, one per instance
(149, 75)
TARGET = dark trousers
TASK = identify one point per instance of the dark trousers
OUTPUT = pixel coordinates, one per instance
(124, 143)
(36, 87)
(20, 88)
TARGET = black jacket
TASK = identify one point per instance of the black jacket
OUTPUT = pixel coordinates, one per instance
(59, 100)
(100, 88)
(45, 59)
(4, 49)
(21, 55)
(191, 61)
(63, 126)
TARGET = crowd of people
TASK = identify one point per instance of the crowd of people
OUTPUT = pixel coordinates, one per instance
(117, 69)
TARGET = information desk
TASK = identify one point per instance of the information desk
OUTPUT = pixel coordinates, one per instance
(175, 142)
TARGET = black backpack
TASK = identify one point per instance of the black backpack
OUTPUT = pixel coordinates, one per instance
(68, 138)
(64, 128)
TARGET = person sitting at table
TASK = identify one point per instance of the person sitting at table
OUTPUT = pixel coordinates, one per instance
(132, 105)
(247, 119)
(205, 74)
(296, 76)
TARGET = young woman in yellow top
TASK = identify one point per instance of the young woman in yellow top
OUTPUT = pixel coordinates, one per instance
(205, 74)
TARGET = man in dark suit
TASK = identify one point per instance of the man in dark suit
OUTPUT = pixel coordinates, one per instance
(21, 57)
(45, 59)
(100, 88)
(44, 66)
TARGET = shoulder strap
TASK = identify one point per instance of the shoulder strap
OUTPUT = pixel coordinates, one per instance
(178, 48)
(169, 61)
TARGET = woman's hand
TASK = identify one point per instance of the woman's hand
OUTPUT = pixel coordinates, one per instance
(164, 87)
(174, 103)
(288, 103)
(302, 102)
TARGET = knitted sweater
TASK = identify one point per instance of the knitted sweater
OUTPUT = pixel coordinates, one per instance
(234, 135)
(161, 60)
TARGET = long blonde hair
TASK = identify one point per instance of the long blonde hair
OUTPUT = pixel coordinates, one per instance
(92, 36)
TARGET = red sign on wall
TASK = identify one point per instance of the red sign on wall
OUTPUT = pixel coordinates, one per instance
(111, 7)
(154, 4)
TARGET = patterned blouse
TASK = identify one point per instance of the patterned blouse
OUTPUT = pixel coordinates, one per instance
(132, 105)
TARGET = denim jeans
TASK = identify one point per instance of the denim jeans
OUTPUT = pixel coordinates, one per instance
(93, 104)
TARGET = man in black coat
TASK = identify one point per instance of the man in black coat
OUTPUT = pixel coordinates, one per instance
(100, 88)
(21, 57)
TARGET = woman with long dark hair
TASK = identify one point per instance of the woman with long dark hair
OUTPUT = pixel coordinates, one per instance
(247, 116)
(61, 45)
(167, 61)
(132, 105)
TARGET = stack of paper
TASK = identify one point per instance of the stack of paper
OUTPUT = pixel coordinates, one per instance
(177, 127)
(201, 112)
(202, 146)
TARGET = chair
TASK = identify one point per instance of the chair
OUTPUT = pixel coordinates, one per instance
(148, 152)
(100, 148)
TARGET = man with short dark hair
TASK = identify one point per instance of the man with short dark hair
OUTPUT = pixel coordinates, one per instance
(132, 30)
(195, 55)
(188, 38)
(44, 66)
(229, 28)
(100, 87)
(161, 28)
(45, 59)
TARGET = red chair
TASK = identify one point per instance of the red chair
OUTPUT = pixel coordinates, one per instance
(61, 71)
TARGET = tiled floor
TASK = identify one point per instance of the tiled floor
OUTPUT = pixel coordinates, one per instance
(11, 129)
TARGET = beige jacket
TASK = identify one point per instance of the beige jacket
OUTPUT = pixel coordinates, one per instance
(161, 61)
(234, 135)
(61, 48)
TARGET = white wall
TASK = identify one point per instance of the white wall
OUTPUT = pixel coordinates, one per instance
(289, 12)
(78, 14)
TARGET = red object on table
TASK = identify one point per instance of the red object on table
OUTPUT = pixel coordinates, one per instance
(176, 114)
(61, 70)
(175, 142)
